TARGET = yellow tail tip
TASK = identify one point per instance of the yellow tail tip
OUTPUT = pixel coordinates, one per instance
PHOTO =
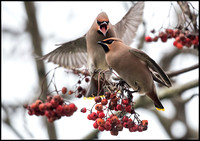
(160, 109)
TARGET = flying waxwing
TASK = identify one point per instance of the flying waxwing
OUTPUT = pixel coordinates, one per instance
(86, 51)
(135, 67)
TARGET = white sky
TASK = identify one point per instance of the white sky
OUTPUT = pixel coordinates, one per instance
(63, 21)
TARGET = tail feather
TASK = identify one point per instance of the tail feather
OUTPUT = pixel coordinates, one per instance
(154, 98)
(160, 107)
(93, 88)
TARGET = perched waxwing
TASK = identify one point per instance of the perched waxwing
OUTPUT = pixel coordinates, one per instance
(86, 51)
(135, 67)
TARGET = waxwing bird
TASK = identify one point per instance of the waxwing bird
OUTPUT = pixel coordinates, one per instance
(135, 67)
(86, 51)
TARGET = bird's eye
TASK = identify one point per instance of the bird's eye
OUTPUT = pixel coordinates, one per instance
(98, 22)
(109, 41)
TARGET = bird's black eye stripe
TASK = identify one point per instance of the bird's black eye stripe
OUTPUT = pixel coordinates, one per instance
(99, 23)
(108, 41)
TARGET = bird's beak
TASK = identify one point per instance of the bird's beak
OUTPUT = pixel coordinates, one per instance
(103, 28)
(104, 45)
(100, 42)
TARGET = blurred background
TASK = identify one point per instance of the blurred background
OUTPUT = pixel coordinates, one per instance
(58, 22)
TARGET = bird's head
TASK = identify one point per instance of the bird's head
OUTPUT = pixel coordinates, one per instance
(109, 43)
(102, 23)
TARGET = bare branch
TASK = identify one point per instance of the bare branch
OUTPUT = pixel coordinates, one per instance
(7, 121)
(167, 93)
(36, 41)
(175, 73)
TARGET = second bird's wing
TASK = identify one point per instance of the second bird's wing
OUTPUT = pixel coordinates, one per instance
(126, 28)
(158, 74)
(70, 54)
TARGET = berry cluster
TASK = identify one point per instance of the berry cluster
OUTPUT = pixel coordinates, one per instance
(182, 37)
(83, 75)
(54, 108)
(105, 119)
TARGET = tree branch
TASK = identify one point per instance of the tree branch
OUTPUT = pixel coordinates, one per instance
(7, 121)
(167, 93)
(175, 73)
(36, 41)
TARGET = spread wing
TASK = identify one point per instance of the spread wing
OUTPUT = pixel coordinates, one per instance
(70, 54)
(126, 28)
(158, 74)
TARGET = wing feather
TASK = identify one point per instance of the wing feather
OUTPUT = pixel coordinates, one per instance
(159, 74)
(126, 28)
(69, 54)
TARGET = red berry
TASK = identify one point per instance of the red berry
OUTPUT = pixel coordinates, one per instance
(79, 88)
(54, 103)
(99, 107)
(98, 112)
(93, 116)
(176, 33)
(64, 90)
(47, 114)
(144, 122)
(148, 39)
(59, 109)
(83, 110)
(125, 101)
(175, 43)
(66, 108)
(164, 37)
(108, 120)
(97, 99)
(87, 79)
(100, 121)
(125, 118)
(95, 125)
(134, 128)
(101, 128)
(89, 117)
(179, 45)
(70, 92)
(119, 107)
(125, 124)
(114, 119)
(140, 128)
(107, 95)
(119, 127)
(38, 102)
(104, 101)
(195, 41)
(101, 115)
(128, 108)
(169, 31)
(72, 107)
(114, 132)
(57, 98)
(33, 106)
(107, 126)
(42, 106)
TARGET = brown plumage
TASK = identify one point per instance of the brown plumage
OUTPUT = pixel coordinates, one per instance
(135, 67)
(86, 51)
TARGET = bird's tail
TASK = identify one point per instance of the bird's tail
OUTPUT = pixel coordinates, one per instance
(157, 103)
(94, 88)
(159, 106)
